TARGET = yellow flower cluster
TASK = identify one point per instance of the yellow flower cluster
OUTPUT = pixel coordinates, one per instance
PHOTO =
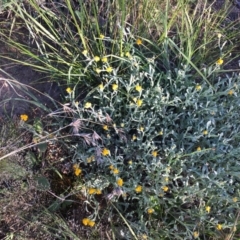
(104, 60)
(198, 87)
(219, 227)
(134, 137)
(88, 222)
(96, 58)
(105, 127)
(139, 102)
(92, 191)
(109, 69)
(87, 105)
(114, 170)
(205, 132)
(154, 153)
(85, 52)
(114, 87)
(120, 182)
(101, 87)
(150, 211)
(90, 159)
(138, 189)
(106, 152)
(208, 209)
(195, 234)
(24, 117)
(77, 170)
(138, 88)
(199, 149)
(231, 92)
(69, 90)
(138, 41)
(219, 61)
(165, 188)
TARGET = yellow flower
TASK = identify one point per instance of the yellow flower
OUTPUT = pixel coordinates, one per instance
(127, 54)
(139, 102)
(91, 223)
(235, 199)
(144, 237)
(195, 234)
(101, 87)
(150, 211)
(88, 222)
(98, 70)
(119, 182)
(166, 179)
(109, 69)
(219, 61)
(231, 92)
(77, 170)
(114, 87)
(141, 129)
(154, 153)
(101, 36)
(85, 52)
(165, 188)
(90, 159)
(24, 117)
(111, 167)
(87, 105)
(91, 191)
(85, 221)
(199, 149)
(104, 59)
(130, 162)
(160, 133)
(208, 209)
(219, 227)
(68, 90)
(138, 41)
(138, 189)
(122, 124)
(115, 170)
(198, 87)
(134, 137)
(138, 88)
(96, 59)
(205, 132)
(219, 35)
(105, 127)
(105, 152)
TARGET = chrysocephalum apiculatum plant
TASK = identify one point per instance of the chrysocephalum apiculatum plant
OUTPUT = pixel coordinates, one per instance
(162, 146)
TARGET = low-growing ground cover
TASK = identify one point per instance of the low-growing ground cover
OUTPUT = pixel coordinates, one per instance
(144, 142)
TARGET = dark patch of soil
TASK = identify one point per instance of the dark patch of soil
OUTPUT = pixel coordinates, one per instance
(19, 85)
